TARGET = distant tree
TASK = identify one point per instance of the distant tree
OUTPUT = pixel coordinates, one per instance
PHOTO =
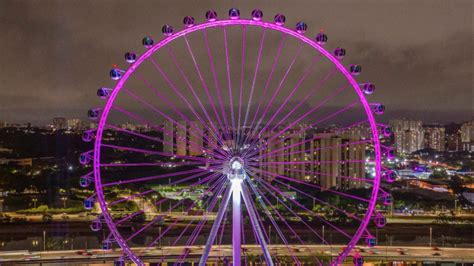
(439, 174)
(47, 218)
(140, 218)
(456, 184)
(318, 208)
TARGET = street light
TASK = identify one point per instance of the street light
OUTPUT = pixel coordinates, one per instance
(269, 234)
(219, 197)
(159, 230)
(431, 235)
(154, 197)
(44, 240)
(456, 206)
(64, 201)
(322, 234)
(34, 200)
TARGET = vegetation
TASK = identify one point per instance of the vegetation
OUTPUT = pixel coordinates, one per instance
(45, 209)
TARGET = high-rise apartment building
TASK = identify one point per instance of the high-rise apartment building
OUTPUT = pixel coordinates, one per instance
(74, 124)
(434, 137)
(196, 139)
(453, 137)
(467, 136)
(59, 123)
(183, 138)
(336, 162)
(408, 135)
(330, 160)
(276, 151)
(168, 137)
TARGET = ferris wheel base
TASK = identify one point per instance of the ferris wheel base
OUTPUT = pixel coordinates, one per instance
(238, 190)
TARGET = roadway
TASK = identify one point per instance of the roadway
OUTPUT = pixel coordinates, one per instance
(379, 253)
(396, 218)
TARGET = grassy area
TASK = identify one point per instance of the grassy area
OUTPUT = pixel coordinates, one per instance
(45, 209)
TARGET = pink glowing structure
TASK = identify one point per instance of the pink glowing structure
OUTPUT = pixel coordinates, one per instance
(230, 129)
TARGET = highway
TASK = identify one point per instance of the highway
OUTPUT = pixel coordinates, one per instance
(171, 216)
(379, 253)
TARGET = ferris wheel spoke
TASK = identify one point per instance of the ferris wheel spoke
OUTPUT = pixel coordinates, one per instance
(289, 228)
(317, 107)
(310, 94)
(353, 178)
(156, 203)
(252, 203)
(214, 131)
(170, 104)
(308, 162)
(147, 164)
(216, 84)
(316, 137)
(344, 109)
(264, 202)
(154, 139)
(296, 181)
(267, 83)
(180, 236)
(176, 90)
(151, 152)
(257, 66)
(204, 84)
(229, 86)
(257, 225)
(149, 178)
(185, 229)
(290, 95)
(220, 154)
(349, 215)
(218, 183)
(201, 224)
(304, 152)
(242, 229)
(275, 94)
(182, 180)
(298, 217)
(302, 130)
(131, 197)
(173, 121)
(242, 71)
(221, 235)
(156, 219)
(285, 195)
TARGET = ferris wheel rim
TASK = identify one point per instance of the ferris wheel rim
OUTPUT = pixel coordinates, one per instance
(224, 23)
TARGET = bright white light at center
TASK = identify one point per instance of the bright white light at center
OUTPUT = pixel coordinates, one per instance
(236, 165)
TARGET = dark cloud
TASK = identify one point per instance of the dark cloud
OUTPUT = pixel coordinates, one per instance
(56, 53)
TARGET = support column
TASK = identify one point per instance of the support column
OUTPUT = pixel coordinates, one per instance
(256, 226)
(215, 226)
(236, 222)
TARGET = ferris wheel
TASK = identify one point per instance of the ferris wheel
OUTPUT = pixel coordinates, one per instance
(237, 139)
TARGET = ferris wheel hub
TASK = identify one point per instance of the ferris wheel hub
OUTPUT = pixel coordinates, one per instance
(236, 169)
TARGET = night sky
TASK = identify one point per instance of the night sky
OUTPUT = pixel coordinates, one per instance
(57, 53)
